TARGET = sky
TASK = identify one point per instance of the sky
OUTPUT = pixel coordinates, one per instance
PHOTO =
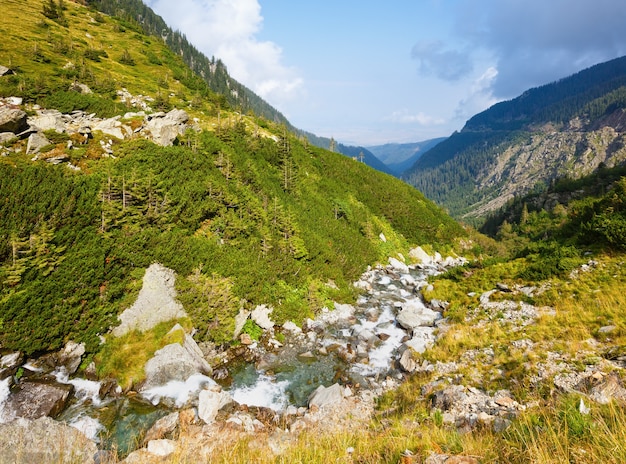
(369, 72)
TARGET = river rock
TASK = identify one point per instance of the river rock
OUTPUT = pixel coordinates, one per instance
(398, 266)
(156, 302)
(12, 120)
(407, 362)
(32, 399)
(261, 315)
(423, 338)
(44, 440)
(69, 357)
(419, 255)
(162, 448)
(175, 362)
(9, 363)
(210, 402)
(324, 396)
(415, 314)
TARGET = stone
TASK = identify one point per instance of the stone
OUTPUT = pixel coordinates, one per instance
(112, 127)
(57, 159)
(36, 141)
(164, 128)
(292, 327)
(4, 71)
(69, 357)
(32, 399)
(407, 363)
(12, 120)
(240, 321)
(165, 427)
(44, 440)
(210, 402)
(7, 137)
(156, 302)
(246, 339)
(261, 315)
(9, 363)
(419, 255)
(161, 448)
(47, 120)
(398, 266)
(175, 362)
(415, 314)
(423, 338)
(325, 396)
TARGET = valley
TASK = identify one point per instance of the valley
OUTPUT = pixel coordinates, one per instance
(185, 277)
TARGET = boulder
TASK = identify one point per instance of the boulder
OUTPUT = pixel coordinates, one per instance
(6, 137)
(9, 363)
(210, 402)
(423, 338)
(240, 321)
(415, 314)
(12, 120)
(324, 396)
(165, 427)
(164, 129)
(407, 362)
(4, 71)
(398, 266)
(261, 315)
(32, 399)
(175, 362)
(112, 127)
(69, 357)
(156, 302)
(419, 255)
(36, 141)
(162, 448)
(47, 120)
(44, 440)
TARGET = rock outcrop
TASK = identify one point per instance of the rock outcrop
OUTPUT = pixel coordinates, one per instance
(156, 302)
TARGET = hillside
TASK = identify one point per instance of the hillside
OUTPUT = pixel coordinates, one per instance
(564, 129)
(262, 217)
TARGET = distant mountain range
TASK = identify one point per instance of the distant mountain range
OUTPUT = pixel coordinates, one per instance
(398, 157)
(564, 129)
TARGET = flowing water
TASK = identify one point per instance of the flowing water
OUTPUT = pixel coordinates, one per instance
(353, 345)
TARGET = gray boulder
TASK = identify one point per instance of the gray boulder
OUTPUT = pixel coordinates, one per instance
(164, 129)
(12, 120)
(175, 362)
(210, 402)
(261, 315)
(9, 363)
(36, 141)
(112, 127)
(47, 120)
(156, 302)
(415, 314)
(32, 399)
(44, 440)
(324, 396)
(69, 357)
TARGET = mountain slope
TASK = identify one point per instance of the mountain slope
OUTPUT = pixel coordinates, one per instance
(567, 128)
(242, 210)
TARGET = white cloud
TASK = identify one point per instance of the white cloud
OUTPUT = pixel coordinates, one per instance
(480, 95)
(227, 30)
(405, 117)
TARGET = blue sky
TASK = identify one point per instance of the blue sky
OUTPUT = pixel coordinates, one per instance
(370, 72)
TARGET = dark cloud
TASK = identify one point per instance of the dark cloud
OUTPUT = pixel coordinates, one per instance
(435, 60)
(535, 42)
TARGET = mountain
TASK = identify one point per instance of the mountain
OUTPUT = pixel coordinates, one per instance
(564, 129)
(116, 155)
(398, 157)
(358, 153)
